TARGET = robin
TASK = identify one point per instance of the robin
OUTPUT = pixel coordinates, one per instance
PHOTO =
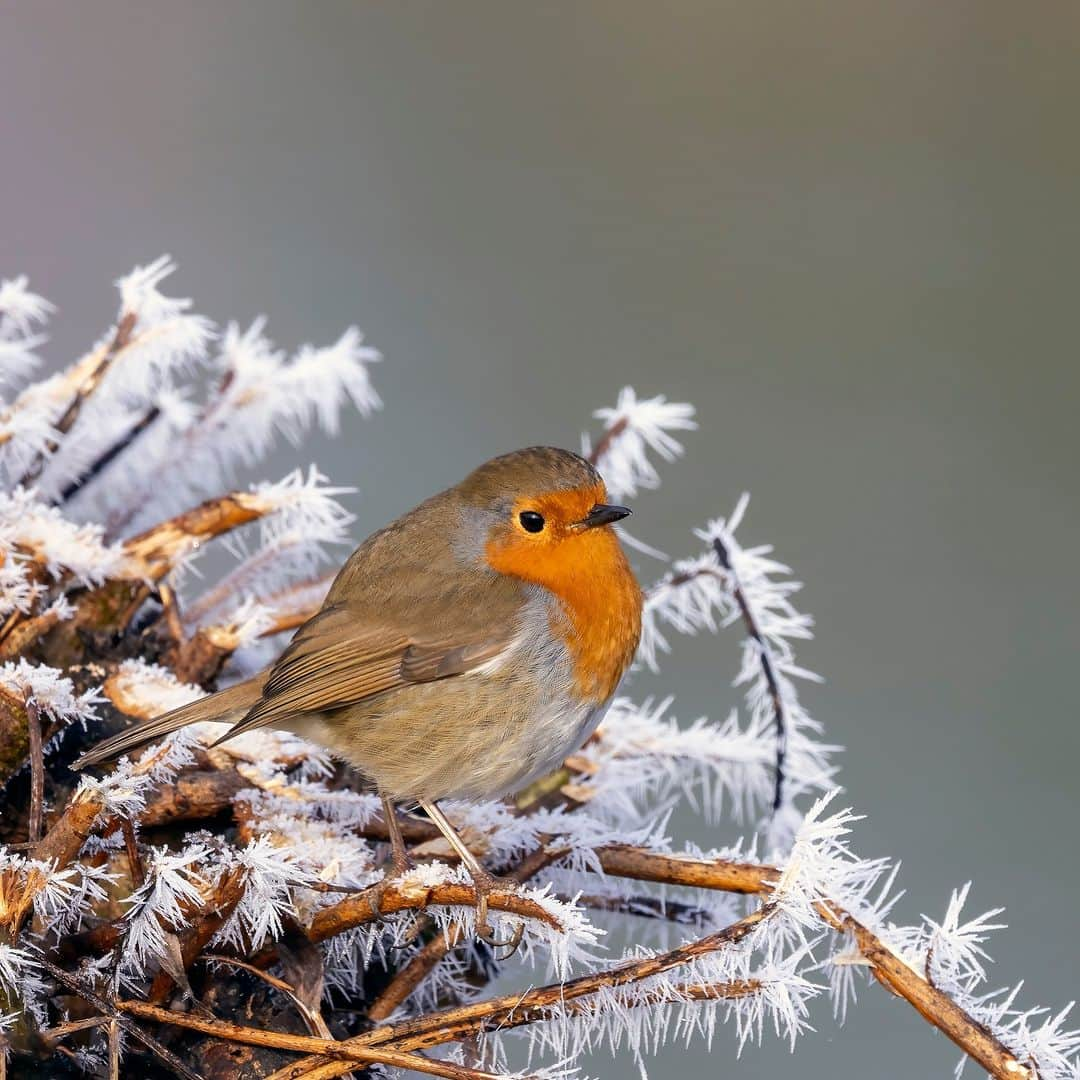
(462, 651)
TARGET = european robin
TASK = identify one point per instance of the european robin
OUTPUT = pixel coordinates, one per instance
(462, 651)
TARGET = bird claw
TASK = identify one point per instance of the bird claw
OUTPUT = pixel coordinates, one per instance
(397, 869)
(485, 885)
(487, 936)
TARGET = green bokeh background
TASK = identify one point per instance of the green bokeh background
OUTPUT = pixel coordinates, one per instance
(846, 231)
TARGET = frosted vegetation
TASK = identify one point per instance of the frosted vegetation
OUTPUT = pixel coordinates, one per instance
(189, 874)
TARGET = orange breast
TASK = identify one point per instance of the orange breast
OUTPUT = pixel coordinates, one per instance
(602, 623)
(600, 616)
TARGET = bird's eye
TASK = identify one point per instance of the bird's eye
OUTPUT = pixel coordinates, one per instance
(531, 521)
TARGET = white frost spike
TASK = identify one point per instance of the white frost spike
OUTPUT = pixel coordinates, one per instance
(65, 899)
(955, 952)
(299, 502)
(260, 395)
(20, 309)
(173, 880)
(633, 428)
(271, 874)
(642, 757)
(44, 534)
(156, 340)
(15, 966)
(18, 359)
(703, 593)
(50, 690)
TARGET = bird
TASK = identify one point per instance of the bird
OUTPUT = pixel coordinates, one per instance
(462, 651)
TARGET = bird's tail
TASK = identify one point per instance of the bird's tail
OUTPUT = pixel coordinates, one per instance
(227, 706)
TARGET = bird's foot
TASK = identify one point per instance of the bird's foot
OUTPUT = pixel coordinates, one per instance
(400, 865)
(486, 883)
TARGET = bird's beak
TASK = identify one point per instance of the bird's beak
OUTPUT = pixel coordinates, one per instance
(601, 514)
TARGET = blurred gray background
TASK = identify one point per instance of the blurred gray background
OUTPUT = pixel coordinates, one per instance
(846, 231)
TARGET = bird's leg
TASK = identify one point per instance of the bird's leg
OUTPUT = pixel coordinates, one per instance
(485, 882)
(400, 863)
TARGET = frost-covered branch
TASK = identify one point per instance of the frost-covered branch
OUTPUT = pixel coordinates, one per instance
(194, 866)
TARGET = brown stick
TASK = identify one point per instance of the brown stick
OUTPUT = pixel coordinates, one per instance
(512, 1010)
(159, 547)
(609, 436)
(202, 926)
(193, 796)
(768, 667)
(937, 1008)
(407, 896)
(24, 634)
(37, 770)
(722, 874)
(89, 384)
(59, 846)
(427, 959)
(306, 1044)
(108, 1009)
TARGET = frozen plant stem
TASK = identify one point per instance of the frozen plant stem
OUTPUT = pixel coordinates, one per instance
(768, 667)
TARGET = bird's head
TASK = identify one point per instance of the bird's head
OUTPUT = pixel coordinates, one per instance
(547, 517)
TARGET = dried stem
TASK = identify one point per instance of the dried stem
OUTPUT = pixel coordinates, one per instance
(348, 1052)
(768, 667)
(409, 977)
(513, 1010)
(37, 770)
(121, 338)
(609, 436)
(107, 1009)
(110, 455)
(406, 895)
(932, 1004)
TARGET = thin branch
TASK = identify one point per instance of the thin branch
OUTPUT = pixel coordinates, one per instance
(306, 1044)
(405, 895)
(409, 977)
(59, 846)
(606, 440)
(768, 667)
(106, 459)
(513, 1010)
(90, 383)
(111, 1011)
(37, 770)
(936, 1007)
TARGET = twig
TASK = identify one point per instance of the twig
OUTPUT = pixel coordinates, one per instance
(513, 1010)
(72, 1027)
(162, 545)
(131, 848)
(59, 846)
(409, 977)
(609, 436)
(111, 1011)
(201, 927)
(311, 1017)
(306, 1044)
(37, 770)
(23, 633)
(405, 895)
(90, 383)
(937, 1008)
(768, 667)
(110, 455)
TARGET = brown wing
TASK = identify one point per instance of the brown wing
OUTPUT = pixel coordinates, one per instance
(338, 659)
